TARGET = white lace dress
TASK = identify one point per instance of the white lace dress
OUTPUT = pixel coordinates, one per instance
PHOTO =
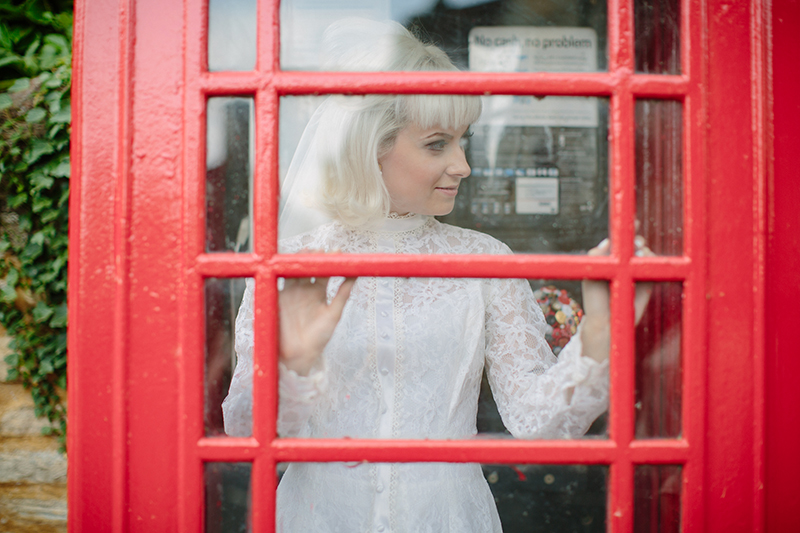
(406, 362)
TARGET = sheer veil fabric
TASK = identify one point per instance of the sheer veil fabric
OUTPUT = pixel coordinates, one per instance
(407, 357)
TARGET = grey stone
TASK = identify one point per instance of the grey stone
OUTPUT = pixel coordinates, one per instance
(49, 510)
(33, 466)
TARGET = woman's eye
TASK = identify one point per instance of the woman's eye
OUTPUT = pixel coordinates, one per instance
(437, 145)
(464, 141)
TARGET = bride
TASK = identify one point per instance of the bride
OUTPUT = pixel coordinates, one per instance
(403, 357)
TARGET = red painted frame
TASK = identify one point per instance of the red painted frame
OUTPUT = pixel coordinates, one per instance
(138, 264)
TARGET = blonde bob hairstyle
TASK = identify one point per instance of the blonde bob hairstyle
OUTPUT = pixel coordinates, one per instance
(352, 190)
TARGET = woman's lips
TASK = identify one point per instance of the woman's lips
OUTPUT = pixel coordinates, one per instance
(448, 191)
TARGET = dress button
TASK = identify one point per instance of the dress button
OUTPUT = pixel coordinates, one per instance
(385, 371)
(384, 336)
(379, 488)
(384, 314)
(380, 527)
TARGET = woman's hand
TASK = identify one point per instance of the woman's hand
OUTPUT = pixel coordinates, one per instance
(596, 323)
(307, 320)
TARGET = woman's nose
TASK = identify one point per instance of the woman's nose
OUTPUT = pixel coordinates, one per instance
(458, 165)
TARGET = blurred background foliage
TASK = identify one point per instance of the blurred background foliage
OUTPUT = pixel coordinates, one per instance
(35, 78)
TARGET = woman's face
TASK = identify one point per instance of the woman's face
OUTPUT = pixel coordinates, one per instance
(423, 169)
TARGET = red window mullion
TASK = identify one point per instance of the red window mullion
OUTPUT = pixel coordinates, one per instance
(694, 340)
(266, 185)
(265, 400)
(514, 266)
(264, 239)
(621, 213)
(544, 83)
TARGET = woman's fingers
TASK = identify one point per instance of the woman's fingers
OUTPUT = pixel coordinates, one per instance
(604, 248)
(337, 304)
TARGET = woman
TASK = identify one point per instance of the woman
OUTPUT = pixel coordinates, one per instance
(403, 357)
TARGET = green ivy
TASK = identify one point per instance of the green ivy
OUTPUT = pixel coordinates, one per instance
(35, 77)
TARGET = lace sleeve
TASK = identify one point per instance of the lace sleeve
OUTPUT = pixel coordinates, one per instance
(537, 395)
(237, 408)
(297, 393)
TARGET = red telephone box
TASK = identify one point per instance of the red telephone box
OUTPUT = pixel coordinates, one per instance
(139, 261)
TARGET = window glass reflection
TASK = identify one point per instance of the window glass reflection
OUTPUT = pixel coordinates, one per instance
(521, 498)
(657, 499)
(227, 498)
(229, 173)
(659, 366)
(231, 35)
(659, 174)
(498, 35)
(657, 24)
(538, 178)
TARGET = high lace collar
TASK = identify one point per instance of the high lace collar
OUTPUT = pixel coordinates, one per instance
(395, 223)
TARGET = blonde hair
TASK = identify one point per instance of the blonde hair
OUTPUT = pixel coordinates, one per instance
(352, 188)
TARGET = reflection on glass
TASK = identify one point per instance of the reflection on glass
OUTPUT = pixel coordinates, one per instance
(659, 367)
(231, 35)
(657, 499)
(227, 501)
(494, 35)
(659, 174)
(223, 297)
(229, 174)
(443, 497)
(658, 36)
(539, 168)
(429, 344)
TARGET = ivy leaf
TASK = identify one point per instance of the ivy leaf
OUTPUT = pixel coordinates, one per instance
(16, 200)
(5, 99)
(40, 203)
(63, 116)
(20, 84)
(38, 238)
(62, 170)
(12, 277)
(11, 59)
(8, 294)
(31, 252)
(38, 149)
(59, 319)
(35, 115)
(41, 181)
(53, 83)
(46, 367)
(42, 312)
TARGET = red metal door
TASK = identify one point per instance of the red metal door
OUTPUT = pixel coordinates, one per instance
(137, 445)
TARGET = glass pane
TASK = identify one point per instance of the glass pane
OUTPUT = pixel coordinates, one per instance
(659, 365)
(657, 499)
(223, 298)
(231, 35)
(442, 497)
(227, 497)
(229, 174)
(658, 36)
(443, 358)
(659, 174)
(537, 174)
(499, 35)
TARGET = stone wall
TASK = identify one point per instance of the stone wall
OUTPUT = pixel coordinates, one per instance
(33, 473)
